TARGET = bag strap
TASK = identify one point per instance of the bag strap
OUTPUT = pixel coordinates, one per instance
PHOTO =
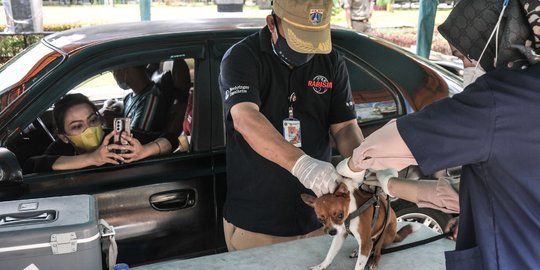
(108, 243)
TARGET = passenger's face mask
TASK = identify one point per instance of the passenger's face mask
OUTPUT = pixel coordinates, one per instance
(89, 140)
(122, 82)
(123, 85)
(288, 55)
(470, 74)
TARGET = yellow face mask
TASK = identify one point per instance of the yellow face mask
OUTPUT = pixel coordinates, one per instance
(89, 140)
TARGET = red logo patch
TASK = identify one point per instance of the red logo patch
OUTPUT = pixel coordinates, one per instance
(320, 84)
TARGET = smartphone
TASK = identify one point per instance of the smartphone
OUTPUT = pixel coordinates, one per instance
(121, 126)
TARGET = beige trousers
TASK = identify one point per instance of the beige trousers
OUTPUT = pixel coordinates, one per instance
(362, 27)
(238, 239)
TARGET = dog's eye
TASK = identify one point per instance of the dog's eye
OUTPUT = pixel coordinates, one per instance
(321, 220)
(339, 216)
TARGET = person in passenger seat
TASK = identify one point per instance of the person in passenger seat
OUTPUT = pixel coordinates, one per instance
(147, 105)
(82, 141)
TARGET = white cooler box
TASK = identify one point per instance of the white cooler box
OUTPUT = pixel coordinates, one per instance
(53, 233)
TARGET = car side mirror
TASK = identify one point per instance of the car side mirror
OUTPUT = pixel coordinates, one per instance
(11, 176)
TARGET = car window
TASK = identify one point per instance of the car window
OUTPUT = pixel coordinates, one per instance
(175, 84)
(100, 88)
(373, 101)
(173, 78)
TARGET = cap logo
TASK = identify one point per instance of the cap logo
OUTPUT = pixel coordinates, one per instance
(315, 16)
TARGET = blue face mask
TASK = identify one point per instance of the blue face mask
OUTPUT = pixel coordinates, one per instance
(288, 55)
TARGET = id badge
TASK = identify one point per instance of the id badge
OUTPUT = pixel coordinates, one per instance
(292, 132)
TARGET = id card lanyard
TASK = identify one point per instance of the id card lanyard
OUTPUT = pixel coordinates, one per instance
(291, 126)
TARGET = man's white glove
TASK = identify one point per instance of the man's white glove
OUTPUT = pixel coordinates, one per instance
(343, 169)
(383, 176)
(317, 175)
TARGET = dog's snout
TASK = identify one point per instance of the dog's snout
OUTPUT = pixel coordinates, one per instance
(332, 232)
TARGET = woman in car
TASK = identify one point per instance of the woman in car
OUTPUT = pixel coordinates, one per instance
(82, 142)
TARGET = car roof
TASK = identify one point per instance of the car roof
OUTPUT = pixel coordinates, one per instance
(71, 40)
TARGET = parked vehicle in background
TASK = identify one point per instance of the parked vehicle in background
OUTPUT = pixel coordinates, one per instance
(170, 206)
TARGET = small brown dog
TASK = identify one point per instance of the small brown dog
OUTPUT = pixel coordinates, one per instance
(334, 209)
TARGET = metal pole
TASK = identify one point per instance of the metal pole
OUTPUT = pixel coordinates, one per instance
(145, 9)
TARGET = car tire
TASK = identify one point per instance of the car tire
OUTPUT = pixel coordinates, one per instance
(435, 220)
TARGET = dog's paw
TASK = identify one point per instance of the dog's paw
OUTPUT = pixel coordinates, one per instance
(317, 267)
(372, 266)
(354, 253)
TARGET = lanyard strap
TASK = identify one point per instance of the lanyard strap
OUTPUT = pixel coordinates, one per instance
(292, 99)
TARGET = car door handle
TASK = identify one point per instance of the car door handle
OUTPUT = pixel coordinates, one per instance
(173, 200)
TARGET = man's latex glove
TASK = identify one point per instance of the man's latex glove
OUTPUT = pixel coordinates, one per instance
(317, 175)
(343, 169)
(383, 176)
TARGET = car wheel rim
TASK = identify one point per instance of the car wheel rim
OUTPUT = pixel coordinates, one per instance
(422, 219)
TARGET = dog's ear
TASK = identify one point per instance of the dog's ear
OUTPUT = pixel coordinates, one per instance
(308, 199)
(342, 190)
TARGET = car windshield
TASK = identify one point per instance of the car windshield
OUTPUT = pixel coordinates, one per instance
(21, 72)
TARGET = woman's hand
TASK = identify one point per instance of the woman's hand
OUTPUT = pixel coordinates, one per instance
(452, 226)
(105, 153)
(136, 151)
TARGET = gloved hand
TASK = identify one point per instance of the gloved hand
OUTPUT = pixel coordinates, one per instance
(343, 169)
(383, 176)
(317, 175)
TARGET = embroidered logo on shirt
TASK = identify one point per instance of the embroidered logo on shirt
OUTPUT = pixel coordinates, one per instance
(240, 89)
(320, 84)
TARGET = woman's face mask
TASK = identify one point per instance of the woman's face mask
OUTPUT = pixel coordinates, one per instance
(286, 54)
(470, 74)
(89, 140)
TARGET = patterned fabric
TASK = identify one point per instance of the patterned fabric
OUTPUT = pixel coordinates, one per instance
(471, 22)
(147, 110)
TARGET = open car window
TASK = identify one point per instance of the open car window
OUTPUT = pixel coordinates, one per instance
(373, 101)
(100, 88)
(175, 89)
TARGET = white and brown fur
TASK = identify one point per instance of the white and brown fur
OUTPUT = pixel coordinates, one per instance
(333, 209)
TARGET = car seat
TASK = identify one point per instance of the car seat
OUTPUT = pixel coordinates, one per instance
(176, 85)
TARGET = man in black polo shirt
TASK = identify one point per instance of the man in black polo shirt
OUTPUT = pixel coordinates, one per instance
(285, 92)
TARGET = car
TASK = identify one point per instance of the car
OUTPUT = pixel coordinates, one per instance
(169, 206)
(455, 67)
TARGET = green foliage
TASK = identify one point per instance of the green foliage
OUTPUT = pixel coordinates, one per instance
(382, 3)
(60, 27)
(336, 8)
(13, 44)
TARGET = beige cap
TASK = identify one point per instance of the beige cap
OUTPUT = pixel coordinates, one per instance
(306, 24)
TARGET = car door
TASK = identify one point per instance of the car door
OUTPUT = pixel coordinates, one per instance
(160, 207)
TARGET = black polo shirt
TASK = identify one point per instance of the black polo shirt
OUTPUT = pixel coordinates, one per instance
(262, 196)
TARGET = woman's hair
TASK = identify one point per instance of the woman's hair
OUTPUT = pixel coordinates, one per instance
(64, 104)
